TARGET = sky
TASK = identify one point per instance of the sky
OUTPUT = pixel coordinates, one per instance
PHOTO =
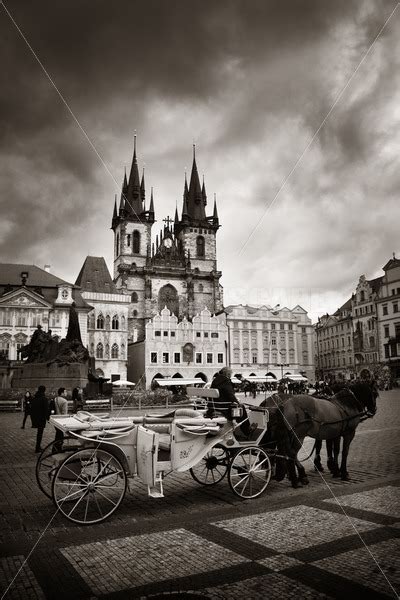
(297, 139)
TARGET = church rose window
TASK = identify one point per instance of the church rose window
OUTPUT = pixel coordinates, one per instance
(136, 242)
(200, 246)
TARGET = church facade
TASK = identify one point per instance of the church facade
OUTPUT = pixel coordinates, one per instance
(178, 271)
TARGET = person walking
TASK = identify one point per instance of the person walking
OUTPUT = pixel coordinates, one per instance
(39, 414)
(77, 399)
(26, 407)
(61, 408)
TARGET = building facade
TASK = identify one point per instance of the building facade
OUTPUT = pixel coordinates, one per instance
(180, 348)
(107, 322)
(388, 326)
(366, 349)
(31, 296)
(334, 350)
(263, 340)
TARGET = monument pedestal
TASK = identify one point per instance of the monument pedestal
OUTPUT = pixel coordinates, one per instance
(30, 375)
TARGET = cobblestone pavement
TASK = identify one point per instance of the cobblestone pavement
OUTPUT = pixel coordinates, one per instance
(331, 539)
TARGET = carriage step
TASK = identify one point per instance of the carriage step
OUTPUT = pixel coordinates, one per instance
(156, 491)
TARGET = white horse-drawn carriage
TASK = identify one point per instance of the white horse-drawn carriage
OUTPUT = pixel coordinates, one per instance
(87, 474)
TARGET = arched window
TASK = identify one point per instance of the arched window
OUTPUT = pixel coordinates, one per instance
(135, 313)
(200, 245)
(100, 321)
(114, 351)
(168, 296)
(136, 242)
(99, 350)
(201, 288)
(134, 297)
(115, 322)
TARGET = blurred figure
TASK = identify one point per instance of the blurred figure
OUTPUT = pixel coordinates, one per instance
(39, 414)
(26, 407)
(77, 399)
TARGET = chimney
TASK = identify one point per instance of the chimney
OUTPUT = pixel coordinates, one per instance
(47, 268)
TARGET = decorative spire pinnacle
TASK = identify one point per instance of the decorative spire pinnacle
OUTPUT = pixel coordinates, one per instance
(151, 209)
(215, 214)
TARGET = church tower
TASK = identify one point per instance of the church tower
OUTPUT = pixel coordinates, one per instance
(131, 224)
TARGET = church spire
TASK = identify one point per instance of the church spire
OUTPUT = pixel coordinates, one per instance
(134, 201)
(142, 189)
(115, 214)
(215, 214)
(195, 200)
(203, 192)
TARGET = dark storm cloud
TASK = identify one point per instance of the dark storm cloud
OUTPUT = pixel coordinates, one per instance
(251, 80)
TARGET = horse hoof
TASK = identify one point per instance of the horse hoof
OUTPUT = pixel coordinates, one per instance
(304, 481)
(335, 474)
(319, 468)
(345, 477)
(296, 484)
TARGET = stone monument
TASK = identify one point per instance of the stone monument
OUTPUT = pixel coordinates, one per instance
(51, 362)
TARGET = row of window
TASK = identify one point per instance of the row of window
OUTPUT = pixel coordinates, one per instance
(167, 357)
(396, 330)
(385, 308)
(272, 326)
(206, 334)
(103, 351)
(105, 322)
(364, 310)
(27, 318)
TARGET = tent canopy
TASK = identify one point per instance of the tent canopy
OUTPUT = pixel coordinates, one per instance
(178, 381)
(123, 383)
(295, 378)
(260, 379)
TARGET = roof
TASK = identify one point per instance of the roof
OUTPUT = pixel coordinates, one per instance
(39, 281)
(94, 276)
(375, 284)
(10, 274)
(344, 307)
(392, 263)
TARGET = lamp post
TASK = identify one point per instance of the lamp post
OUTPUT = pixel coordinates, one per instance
(281, 365)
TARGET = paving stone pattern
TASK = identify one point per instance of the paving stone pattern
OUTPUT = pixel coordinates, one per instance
(206, 542)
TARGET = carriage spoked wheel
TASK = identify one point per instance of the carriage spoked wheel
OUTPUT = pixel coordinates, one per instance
(89, 485)
(49, 461)
(213, 466)
(249, 472)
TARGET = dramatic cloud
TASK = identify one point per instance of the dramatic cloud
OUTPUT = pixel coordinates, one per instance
(250, 82)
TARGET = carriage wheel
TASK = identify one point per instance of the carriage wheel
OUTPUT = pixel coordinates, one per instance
(89, 485)
(249, 472)
(48, 462)
(213, 466)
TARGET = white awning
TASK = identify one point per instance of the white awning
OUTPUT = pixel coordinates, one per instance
(259, 379)
(178, 381)
(235, 380)
(295, 378)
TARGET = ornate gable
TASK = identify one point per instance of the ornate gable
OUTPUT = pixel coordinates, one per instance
(23, 298)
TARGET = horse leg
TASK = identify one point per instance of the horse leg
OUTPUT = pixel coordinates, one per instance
(295, 446)
(317, 460)
(335, 462)
(347, 439)
(329, 452)
(301, 473)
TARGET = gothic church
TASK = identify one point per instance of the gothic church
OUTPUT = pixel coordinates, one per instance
(179, 270)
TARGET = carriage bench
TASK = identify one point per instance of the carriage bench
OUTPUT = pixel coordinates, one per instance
(10, 405)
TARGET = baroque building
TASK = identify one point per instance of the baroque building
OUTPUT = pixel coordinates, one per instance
(274, 341)
(334, 350)
(31, 296)
(388, 311)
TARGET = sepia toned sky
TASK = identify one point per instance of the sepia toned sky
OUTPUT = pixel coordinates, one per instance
(250, 83)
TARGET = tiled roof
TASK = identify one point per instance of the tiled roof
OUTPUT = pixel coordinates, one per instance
(94, 276)
(345, 306)
(39, 281)
(10, 273)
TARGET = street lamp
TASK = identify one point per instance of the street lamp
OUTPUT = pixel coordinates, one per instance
(281, 365)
